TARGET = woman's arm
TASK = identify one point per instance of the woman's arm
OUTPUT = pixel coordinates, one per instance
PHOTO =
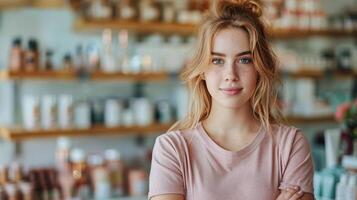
(307, 196)
(168, 197)
(297, 163)
(294, 194)
(284, 195)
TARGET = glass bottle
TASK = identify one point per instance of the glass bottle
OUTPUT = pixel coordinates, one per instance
(99, 177)
(31, 61)
(123, 52)
(16, 56)
(107, 58)
(81, 187)
(67, 63)
(3, 180)
(48, 60)
(116, 169)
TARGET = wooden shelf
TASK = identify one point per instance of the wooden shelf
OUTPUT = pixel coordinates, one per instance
(6, 4)
(159, 76)
(82, 25)
(283, 34)
(318, 74)
(42, 4)
(18, 134)
(307, 120)
(49, 4)
(72, 75)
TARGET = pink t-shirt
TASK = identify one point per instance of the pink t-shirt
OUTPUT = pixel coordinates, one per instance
(192, 164)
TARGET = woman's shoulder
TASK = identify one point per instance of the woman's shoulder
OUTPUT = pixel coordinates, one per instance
(176, 138)
(284, 129)
(284, 134)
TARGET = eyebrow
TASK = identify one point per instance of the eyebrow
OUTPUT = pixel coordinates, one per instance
(239, 54)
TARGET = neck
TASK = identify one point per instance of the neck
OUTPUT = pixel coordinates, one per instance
(228, 121)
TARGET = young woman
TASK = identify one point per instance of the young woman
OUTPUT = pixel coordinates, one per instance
(231, 145)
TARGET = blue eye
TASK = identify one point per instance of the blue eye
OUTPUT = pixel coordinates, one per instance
(245, 60)
(217, 61)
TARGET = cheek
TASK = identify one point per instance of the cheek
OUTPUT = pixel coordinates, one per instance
(211, 81)
(250, 78)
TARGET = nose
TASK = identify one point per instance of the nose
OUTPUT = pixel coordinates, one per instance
(231, 74)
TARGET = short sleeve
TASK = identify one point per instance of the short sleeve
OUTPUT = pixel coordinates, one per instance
(299, 167)
(165, 173)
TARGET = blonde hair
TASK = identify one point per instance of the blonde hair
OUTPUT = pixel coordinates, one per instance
(243, 14)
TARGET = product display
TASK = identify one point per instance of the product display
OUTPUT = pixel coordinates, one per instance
(16, 55)
(55, 71)
(31, 115)
(63, 112)
(145, 10)
(32, 56)
(76, 175)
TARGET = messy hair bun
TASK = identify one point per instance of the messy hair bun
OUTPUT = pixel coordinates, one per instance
(233, 8)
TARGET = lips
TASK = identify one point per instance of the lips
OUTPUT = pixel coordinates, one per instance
(231, 91)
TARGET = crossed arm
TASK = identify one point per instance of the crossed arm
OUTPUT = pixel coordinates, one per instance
(286, 194)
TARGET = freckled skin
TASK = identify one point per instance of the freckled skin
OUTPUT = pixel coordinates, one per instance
(227, 70)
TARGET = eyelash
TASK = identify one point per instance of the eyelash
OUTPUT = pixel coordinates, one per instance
(247, 60)
(243, 60)
(214, 60)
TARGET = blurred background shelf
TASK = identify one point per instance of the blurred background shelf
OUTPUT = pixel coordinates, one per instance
(318, 74)
(150, 76)
(42, 4)
(72, 75)
(84, 25)
(19, 134)
(306, 120)
(298, 33)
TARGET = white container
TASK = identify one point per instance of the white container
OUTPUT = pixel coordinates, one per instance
(143, 112)
(31, 112)
(147, 11)
(138, 182)
(332, 140)
(99, 177)
(328, 186)
(82, 117)
(341, 187)
(113, 112)
(351, 190)
(62, 154)
(305, 97)
(49, 112)
(349, 162)
(77, 156)
(128, 117)
(107, 60)
(102, 189)
(65, 111)
(317, 182)
(115, 167)
(168, 13)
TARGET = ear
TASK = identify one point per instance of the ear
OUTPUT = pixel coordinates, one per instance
(202, 75)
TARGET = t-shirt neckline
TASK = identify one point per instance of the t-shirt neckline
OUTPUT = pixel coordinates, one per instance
(213, 145)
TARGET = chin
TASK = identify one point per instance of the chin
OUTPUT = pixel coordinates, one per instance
(231, 105)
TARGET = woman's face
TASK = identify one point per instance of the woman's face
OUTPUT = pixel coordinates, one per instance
(231, 77)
